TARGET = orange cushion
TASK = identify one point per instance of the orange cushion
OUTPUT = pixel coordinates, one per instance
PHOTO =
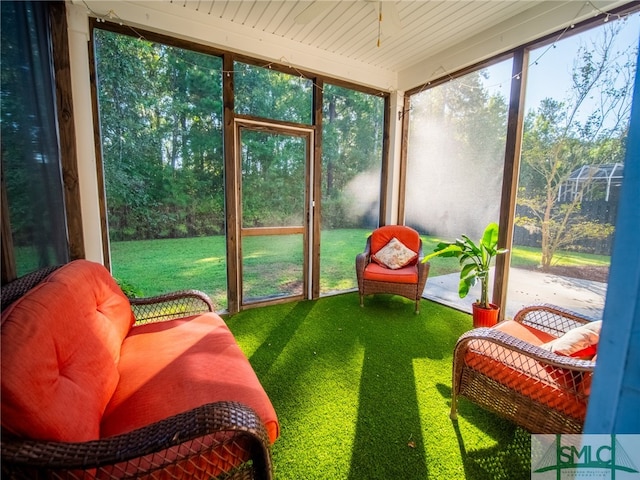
(383, 235)
(60, 347)
(170, 367)
(376, 272)
(524, 332)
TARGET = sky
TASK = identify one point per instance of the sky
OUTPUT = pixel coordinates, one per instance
(550, 66)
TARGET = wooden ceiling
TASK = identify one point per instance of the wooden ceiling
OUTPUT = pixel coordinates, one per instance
(406, 33)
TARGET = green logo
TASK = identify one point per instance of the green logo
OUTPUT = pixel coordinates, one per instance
(570, 454)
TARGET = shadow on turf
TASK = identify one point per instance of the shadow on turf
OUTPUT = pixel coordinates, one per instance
(509, 459)
(388, 438)
(268, 352)
(400, 434)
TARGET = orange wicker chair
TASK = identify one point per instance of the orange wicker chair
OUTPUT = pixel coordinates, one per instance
(505, 370)
(406, 278)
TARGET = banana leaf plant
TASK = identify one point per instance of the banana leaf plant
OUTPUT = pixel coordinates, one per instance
(475, 260)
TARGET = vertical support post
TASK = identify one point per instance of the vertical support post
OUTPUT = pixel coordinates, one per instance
(384, 174)
(231, 186)
(67, 132)
(316, 188)
(402, 171)
(510, 176)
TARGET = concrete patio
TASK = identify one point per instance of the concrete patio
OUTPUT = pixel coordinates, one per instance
(527, 287)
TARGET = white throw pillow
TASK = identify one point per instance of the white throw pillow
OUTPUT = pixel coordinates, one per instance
(395, 255)
(577, 342)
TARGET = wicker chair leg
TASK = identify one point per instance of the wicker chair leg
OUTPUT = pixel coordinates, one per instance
(453, 415)
(417, 307)
(361, 300)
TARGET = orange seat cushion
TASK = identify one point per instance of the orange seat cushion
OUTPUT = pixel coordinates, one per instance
(60, 348)
(170, 367)
(524, 332)
(383, 235)
(376, 272)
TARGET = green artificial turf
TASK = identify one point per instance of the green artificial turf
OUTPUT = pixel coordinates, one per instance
(364, 393)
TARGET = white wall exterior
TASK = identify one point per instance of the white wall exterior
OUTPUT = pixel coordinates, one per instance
(78, 27)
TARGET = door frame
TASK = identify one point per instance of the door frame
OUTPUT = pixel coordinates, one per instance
(275, 127)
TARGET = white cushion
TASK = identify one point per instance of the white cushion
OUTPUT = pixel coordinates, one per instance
(576, 340)
(395, 255)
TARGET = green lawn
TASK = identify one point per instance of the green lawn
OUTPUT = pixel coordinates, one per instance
(520, 257)
(153, 267)
(272, 264)
(530, 257)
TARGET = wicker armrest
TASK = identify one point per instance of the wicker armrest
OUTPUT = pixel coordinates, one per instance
(362, 260)
(550, 319)
(170, 306)
(423, 268)
(197, 440)
(491, 336)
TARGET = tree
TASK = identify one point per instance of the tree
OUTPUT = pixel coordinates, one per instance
(587, 128)
(351, 157)
(161, 122)
(456, 146)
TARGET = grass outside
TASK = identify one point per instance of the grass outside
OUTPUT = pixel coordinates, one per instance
(272, 264)
(364, 393)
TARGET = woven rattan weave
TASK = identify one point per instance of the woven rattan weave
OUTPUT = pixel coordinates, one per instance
(541, 391)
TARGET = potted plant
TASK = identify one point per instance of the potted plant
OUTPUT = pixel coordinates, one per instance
(475, 261)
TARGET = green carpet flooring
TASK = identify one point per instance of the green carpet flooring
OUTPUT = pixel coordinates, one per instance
(364, 393)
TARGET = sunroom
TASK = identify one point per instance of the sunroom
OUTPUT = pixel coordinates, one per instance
(247, 149)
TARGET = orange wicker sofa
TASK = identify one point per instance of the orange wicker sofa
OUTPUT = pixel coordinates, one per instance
(516, 369)
(97, 386)
(407, 277)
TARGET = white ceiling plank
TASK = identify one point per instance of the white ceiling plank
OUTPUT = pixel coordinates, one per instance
(247, 14)
(167, 18)
(539, 20)
(273, 18)
(345, 32)
(257, 20)
(339, 28)
(335, 21)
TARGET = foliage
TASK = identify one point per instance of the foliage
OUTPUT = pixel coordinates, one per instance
(456, 146)
(563, 135)
(263, 92)
(475, 260)
(128, 289)
(161, 116)
(353, 124)
(161, 121)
